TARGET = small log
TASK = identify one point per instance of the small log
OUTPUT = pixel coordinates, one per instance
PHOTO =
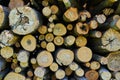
(54, 67)
(70, 15)
(92, 75)
(13, 66)
(60, 74)
(114, 61)
(15, 4)
(68, 71)
(43, 44)
(52, 18)
(28, 42)
(41, 37)
(81, 29)
(87, 64)
(73, 66)
(14, 76)
(81, 41)
(40, 72)
(83, 54)
(46, 11)
(69, 40)
(24, 64)
(58, 40)
(7, 38)
(49, 37)
(23, 56)
(18, 69)
(24, 20)
(6, 52)
(44, 58)
(69, 27)
(50, 47)
(59, 29)
(64, 57)
(17, 45)
(45, 3)
(94, 65)
(30, 73)
(50, 30)
(95, 34)
(4, 12)
(83, 15)
(33, 61)
(42, 29)
(104, 74)
(54, 9)
(79, 72)
(93, 24)
(101, 18)
(2, 64)
(101, 59)
(108, 42)
(67, 3)
(51, 25)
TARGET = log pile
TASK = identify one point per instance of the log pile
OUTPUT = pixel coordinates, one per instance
(59, 40)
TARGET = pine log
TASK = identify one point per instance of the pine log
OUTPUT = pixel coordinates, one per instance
(24, 64)
(45, 3)
(81, 28)
(69, 40)
(83, 54)
(58, 40)
(101, 18)
(7, 38)
(18, 69)
(54, 9)
(60, 74)
(67, 3)
(71, 14)
(92, 75)
(14, 76)
(94, 65)
(28, 42)
(69, 27)
(44, 58)
(4, 12)
(2, 64)
(68, 71)
(54, 67)
(50, 47)
(46, 11)
(42, 29)
(59, 29)
(24, 20)
(114, 61)
(93, 24)
(79, 72)
(108, 42)
(49, 37)
(87, 64)
(64, 57)
(15, 4)
(81, 41)
(33, 61)
(73, 66)
(104, 74)
(95, 34)
(6, 52)
(41, 37)
(43, 44)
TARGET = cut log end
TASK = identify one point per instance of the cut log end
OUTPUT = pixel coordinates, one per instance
(50, 47)
(79, 72)
(58, 40)
(54, 67)
(80, 41)
(60, 74)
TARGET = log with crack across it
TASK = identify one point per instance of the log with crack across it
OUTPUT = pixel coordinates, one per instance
(24, 20)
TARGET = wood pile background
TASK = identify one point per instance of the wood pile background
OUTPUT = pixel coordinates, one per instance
(59, 40)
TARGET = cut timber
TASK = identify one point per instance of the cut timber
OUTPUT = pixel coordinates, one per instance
(50, 47)
(6, 52)
(101, 18)
(73, 66)
(43, 44)
(69, 27)
(45, 3)
(114, 61)
(42, 29)
(28, 42)
(46, 11)
(40, 72)
(81, 29)
(64, 57)
(104, 74)
(79, 72)
(15, 4)
(95, 34)
(93, 24)
(101, 59)
(4, 12)
(92, 75)
(33, 61)
(60, 74)
(54, 9)
(2, 64)
(49, 37)
(71, 14)
(23, 56)
(41, 37)
(24, 64)
(108, 11)
(67, 3)
(83, 54)
(14, 76)
(58, 40)
(7, 38)
(24, 20)
(54, 67)
(80, 41)
(59, 29)
(69, 40)
(18, 69)
(94, 65)
(44, 58)
(30, 73)
(68, 71)
(87, 64)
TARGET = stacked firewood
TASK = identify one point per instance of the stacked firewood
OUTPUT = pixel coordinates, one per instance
(59, 40)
